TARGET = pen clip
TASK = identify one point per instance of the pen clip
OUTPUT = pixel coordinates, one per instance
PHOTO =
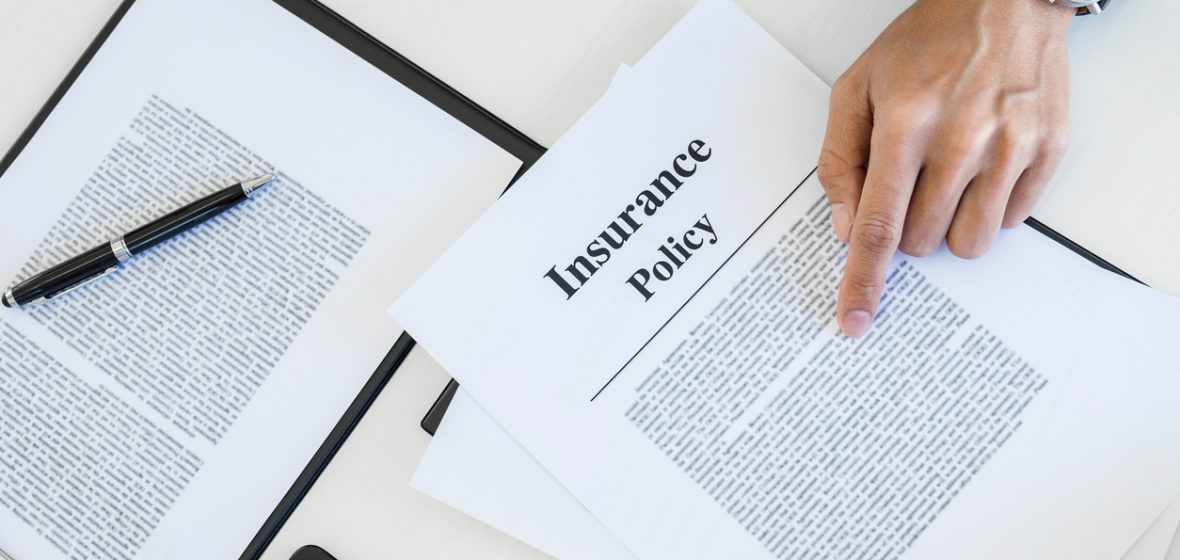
(94, 278)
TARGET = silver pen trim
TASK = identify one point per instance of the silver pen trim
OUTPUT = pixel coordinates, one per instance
(77, 286)
(11, 301)
(119, 247)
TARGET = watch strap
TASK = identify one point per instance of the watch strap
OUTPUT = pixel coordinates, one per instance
(1084, 7)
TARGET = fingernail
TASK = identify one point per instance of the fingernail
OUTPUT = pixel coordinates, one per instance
(841, 220)
(856, 322)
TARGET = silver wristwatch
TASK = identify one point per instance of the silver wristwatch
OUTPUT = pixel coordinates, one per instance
(1083, 6)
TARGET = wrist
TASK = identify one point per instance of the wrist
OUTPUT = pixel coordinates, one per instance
(1056, 11)
(1046, 17)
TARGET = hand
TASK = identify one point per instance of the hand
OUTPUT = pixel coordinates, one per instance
(948, 126)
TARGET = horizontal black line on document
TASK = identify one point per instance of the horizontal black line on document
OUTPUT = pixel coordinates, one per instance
(703, 284)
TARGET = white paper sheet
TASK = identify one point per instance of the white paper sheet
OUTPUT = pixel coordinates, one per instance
(475, 465)
(1155, 542)
(133, 426)
(535, 360)
(1174, 549)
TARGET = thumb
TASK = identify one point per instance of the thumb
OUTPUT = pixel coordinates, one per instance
(845, 155)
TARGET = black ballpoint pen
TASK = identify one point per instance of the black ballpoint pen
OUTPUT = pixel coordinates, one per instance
(105, 259)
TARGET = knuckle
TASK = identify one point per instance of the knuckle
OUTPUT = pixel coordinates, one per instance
(970, 140)
(899, 134)
(914, 110)
(877, 232)
(843, 85)
(831, 167)
(1015, 140)
(959, 149)
(980, 132)
(1055, 144)
(848, 93)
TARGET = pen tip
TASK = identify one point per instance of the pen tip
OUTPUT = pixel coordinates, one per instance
(258, 182)
(6, 298)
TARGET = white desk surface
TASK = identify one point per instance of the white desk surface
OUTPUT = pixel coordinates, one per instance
(539, 64)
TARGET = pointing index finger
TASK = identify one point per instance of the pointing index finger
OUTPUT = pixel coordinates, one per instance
(894, 164)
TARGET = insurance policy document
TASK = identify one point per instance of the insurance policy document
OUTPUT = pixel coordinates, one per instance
(476, 466)
(165, 411)
(649, 313)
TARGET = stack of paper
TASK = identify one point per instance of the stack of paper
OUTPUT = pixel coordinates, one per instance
(643, 328)
(165, 411)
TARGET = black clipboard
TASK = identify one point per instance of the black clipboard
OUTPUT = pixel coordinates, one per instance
(408, 74)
